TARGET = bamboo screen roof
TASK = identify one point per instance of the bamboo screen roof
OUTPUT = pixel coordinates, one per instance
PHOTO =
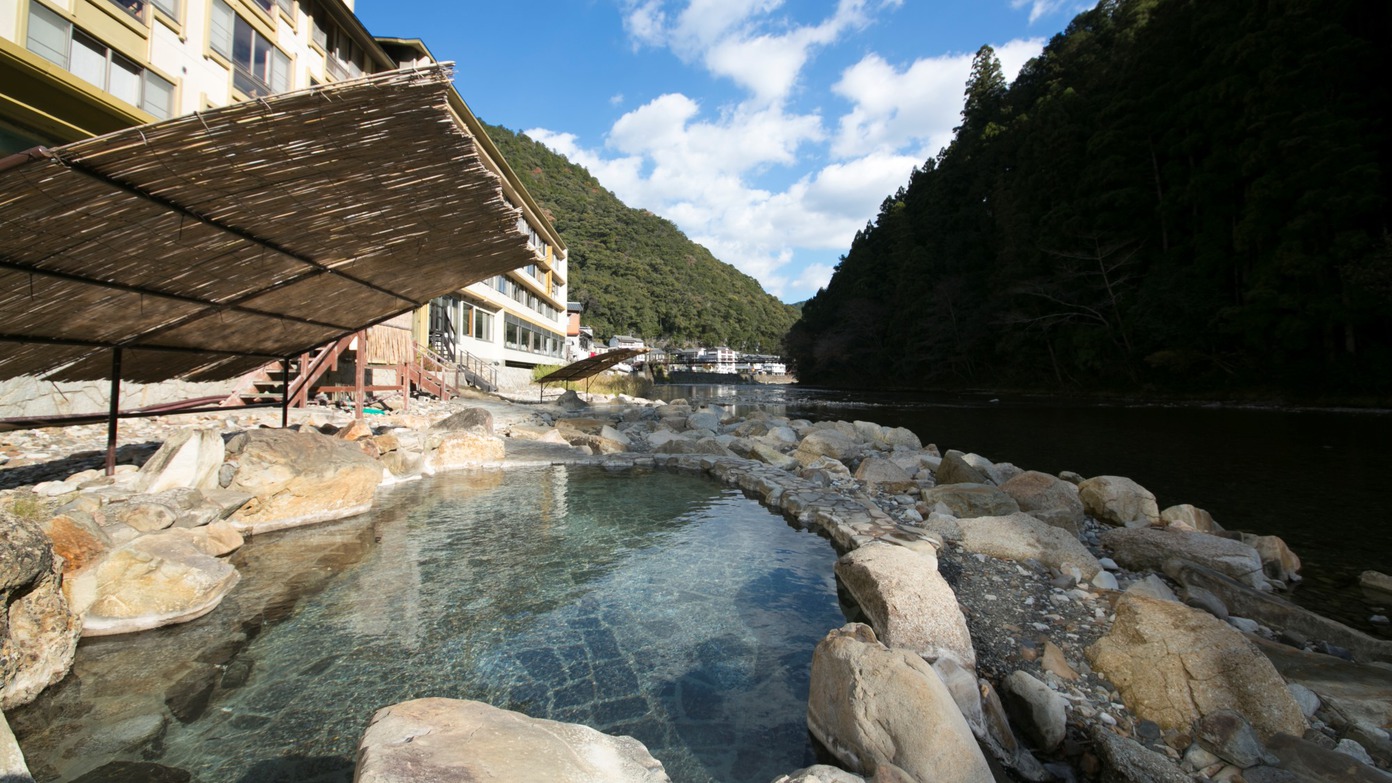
(585, 368)
(207, 245)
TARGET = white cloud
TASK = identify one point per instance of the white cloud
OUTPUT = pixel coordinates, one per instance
(704, 166)
(741, 39)
(917, 107)
(616, 99)
(1042, 8)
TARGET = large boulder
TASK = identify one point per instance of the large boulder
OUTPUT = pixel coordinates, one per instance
(1117, 500)
(1191, 517)
(955, 469)
(451, 739)
(1021, 537)
(296, 478)
(884, 474)
(829, 443)
(190, 458)
(966, 500)
(38, 629)
(1148, 549)
(465, 449)
(906, 600)
(1047, 498)
(1173, 664)
(874, 707)
(155, 580)
(467, 420)
(1277, 559)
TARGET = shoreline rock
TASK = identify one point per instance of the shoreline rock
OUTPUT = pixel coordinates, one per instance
(911, 558)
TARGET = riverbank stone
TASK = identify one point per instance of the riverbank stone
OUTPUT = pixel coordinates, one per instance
(907, 601)
(187, 459)
(1191, 517)
(954, 469)
(298, 478)
(155, 580)
(1049, 499)
(451, 739)
(1173, 664)
(966, 500)
(1018, 537)
(38, 628)
(871, 706)
(1150, 548)
(1119, 501)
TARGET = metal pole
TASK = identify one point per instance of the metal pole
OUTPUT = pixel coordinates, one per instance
(358, 361)
(113, 409)
(285, 392)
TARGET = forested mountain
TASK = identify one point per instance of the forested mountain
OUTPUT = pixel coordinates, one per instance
(1177, 195)
(637, 273)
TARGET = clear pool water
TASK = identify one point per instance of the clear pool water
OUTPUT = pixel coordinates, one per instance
(657, 605)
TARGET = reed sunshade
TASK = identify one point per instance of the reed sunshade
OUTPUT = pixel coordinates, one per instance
(594, 365)
(207, 245)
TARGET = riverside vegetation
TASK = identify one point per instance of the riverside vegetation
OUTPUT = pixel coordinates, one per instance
(637, 273)
(1175, 197)
(1007, 624)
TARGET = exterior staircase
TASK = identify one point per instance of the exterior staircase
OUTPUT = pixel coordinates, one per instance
(431, 372)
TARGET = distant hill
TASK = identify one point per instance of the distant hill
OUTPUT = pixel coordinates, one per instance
(1176, 196)
(637, 273)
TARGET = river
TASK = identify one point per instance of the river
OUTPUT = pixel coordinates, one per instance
(1313, 477)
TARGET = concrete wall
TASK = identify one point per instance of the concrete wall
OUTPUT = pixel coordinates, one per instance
(27, 396)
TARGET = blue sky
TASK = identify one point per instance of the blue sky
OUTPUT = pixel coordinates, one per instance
(769, 131)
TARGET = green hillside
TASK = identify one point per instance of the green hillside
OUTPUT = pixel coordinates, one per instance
(1177, 195)
(638, 273)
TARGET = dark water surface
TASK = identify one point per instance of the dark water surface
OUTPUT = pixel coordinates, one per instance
(666, 607)
(1318, 479)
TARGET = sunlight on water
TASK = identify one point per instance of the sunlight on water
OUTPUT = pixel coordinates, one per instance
(660, 606)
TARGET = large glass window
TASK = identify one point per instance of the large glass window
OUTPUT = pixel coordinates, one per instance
(483, 325)
(522, 336)
(54, 38)
(169, 7)
(258, 67)
(48, 35)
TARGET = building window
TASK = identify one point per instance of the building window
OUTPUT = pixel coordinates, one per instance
(135, 8)
(522, 336)
(169, 7)
(483, 325)
(345, 56)
(258, 68)
(318, 32)
(55, 39)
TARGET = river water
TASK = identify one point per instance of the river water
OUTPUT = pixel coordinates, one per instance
(1316, 478)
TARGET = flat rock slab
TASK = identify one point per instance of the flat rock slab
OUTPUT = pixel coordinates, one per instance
(1362, 692)
(297, 478)
(452, 739)
(1174, 664)
(909, 604)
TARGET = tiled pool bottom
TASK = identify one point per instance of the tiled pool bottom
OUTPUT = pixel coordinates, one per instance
(657, 605)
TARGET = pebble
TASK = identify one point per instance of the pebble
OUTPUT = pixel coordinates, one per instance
(1108, 563)
(1379, 619)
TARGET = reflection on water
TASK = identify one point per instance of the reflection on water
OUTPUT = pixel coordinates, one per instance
(655, 605)
(1315, 478)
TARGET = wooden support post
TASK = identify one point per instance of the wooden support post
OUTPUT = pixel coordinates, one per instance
(403, 375)
(359, 367)
(285, 392)
(112, 410)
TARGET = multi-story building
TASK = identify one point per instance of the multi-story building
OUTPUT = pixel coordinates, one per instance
(72, 69)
